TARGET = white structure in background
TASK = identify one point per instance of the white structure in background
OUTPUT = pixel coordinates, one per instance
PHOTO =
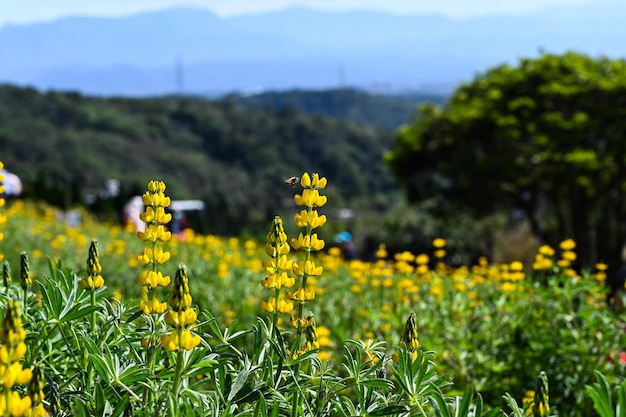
(12, 184)
(186, 205)
(134, 207)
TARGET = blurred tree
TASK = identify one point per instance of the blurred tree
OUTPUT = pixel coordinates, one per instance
(546, 137)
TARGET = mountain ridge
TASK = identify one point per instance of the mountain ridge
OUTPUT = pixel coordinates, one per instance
(307, 48)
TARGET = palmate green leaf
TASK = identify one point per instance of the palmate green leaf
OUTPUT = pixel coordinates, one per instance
(60, 296)
(344, 407)
(438, 401)
(378, 383)
(134, 316)
(279, 347)
(51, 298)
(600, 393)
(115, 374)
(198, 361)
(516, 410)
(100, 365)
(200, 368)
(79, 312)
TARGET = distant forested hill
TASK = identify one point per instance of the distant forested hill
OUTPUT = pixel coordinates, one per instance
(379, 110)
(234, 158)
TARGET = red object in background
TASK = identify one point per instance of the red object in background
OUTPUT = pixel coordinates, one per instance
(622, 357)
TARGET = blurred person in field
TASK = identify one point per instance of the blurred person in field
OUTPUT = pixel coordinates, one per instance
(344, 241)
(178, 224)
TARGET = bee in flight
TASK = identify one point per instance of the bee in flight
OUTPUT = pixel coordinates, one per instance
(292, 181)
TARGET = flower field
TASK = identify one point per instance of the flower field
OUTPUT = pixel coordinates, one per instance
(101, 320)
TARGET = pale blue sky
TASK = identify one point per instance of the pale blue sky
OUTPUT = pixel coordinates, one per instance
(24, 11)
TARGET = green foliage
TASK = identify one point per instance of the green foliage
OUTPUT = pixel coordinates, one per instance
(64, 145)
(600, 393)
(107, 373)
(542, 137)
(493, 334)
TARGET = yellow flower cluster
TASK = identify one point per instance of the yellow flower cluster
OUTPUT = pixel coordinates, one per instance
(310, 219)
(155, 233)
(181, 318)
(543, 258)
(308, 242)
(568, 256)
(600, 274)
(277, 268)
(94, 279)
(12, 350)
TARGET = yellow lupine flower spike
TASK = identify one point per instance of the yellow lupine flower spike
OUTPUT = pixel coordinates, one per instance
(410, 337)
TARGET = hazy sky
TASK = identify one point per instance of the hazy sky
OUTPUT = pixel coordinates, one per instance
(22, 11)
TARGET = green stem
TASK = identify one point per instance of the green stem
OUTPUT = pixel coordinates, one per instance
(307, 257)
(70, 348)
(94, 334)
(150, 354)
(24, 306)
(179, 365)
(421, 409)
(275, 315)
(151, 348)
(93, 313)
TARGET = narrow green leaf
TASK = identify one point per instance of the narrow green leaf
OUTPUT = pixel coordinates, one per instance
(439, 404)
(621, 400)
(378, 383)
(77, 312)
(463, 404)
(261, 408)
(478, 406)
(238, 384)
(121, 407)
(275, 409)
(600, 394)
(100, 401)
(100, 366)
(389, 410)
(517, 411)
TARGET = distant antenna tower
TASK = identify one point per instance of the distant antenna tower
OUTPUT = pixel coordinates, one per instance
(180, 76)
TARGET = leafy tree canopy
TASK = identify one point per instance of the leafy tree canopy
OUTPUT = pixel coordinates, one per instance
(234, 159)
(546, 137)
